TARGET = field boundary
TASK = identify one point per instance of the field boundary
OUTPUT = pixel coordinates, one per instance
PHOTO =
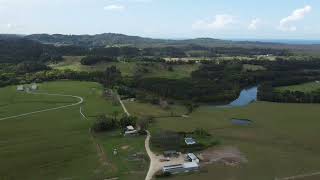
(83, 114)
(299, 176)
(50, 109)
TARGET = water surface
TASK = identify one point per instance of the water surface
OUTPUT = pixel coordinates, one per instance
(246, 97)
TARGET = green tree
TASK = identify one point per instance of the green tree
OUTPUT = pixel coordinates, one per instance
(112, 76)
(127, 121)
(104, 123)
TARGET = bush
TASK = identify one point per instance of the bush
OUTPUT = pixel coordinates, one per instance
(167, 140)
(104, 123)
(91, 60)
(127, 121)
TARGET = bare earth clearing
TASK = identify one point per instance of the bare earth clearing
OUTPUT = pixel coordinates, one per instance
(227, 155)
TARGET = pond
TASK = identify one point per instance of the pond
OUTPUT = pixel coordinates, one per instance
(241, 122)
(246, 97)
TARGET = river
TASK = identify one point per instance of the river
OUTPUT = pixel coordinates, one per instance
(246, 97)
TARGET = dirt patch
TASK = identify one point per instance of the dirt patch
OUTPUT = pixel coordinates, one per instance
(228, 155)
(125, 147)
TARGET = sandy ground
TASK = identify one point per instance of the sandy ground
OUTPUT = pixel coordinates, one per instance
(228, 155)
(155, 160)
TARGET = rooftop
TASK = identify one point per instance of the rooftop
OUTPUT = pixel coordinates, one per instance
(189, 141)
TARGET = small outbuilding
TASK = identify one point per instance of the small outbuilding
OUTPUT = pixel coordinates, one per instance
(181, 168)
(192, 158)
(20, 88)
(190, 141)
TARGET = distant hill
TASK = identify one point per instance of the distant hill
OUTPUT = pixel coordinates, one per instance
(107, 39)
(16, 49)
(111, 39)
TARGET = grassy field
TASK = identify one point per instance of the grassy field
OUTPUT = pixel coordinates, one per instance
(128, 68)
(306, 87)
(178, 71)
(143, 109)
(250, 67)
(57, 144)
(281, 142)
(73, 63)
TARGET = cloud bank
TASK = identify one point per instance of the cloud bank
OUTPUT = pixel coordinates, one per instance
(220, 21)
(297, 15)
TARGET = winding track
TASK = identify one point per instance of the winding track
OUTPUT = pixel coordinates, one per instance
(50, 109)
(152, 167)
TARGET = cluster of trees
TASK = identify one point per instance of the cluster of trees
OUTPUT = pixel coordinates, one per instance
(221, 82)
(91, 60)
(16, 50)
(268, 93)
(104, 123)
(214, 82)
(110, 77)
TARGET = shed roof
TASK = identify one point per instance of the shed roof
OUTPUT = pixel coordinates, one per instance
(131, 128)
(189, 141)
(190, 165)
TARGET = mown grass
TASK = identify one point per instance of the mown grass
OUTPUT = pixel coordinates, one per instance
(128, 68)
(281, 142)
(306, 87)
(57, 144)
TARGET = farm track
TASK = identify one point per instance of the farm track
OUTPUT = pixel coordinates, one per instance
(49, 109)
(152, 166)
(301, 176)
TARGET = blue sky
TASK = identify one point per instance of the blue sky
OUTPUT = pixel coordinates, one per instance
(226, 19)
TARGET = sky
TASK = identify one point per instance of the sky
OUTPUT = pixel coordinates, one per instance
(178, 19)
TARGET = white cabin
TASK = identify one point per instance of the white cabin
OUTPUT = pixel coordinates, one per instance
(20, 88)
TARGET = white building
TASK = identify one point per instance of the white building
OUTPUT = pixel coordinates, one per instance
(130, 131)
(193, 158)
(20, 88)
(181, 168)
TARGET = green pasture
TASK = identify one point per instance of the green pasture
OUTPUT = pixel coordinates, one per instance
(281, 141)
(306, 87)
(57, 144)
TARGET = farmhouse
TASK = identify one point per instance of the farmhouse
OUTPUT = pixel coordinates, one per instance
(130, 131)
(181, 168)
(20, 88)
(190, 141)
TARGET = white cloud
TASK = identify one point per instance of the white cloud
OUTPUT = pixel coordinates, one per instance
(254, 24)
(219, 22)
(298, 14)
(114, 7)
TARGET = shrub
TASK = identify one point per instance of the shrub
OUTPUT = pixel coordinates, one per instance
(104, 123)
(127, 121)
(167, 140)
